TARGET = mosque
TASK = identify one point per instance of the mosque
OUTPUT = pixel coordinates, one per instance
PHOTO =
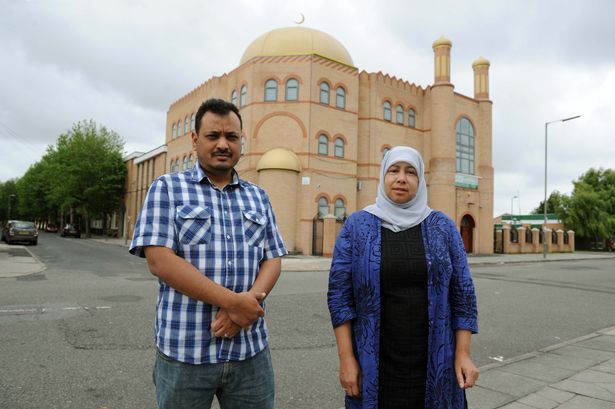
(316, 128)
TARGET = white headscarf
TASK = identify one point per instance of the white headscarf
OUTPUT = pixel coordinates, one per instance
(398, 217)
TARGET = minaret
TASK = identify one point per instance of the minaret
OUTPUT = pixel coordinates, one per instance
(484, 154)
(441, 180)
(442, 66)
(481, 78)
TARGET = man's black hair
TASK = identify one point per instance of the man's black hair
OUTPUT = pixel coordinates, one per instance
(216, 106)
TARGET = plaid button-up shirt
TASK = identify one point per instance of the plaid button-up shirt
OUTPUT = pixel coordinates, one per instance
(225, 234)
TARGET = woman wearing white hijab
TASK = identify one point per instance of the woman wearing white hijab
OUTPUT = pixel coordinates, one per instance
(401, 298)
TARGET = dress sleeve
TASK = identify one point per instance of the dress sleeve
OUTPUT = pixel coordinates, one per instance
(463, 294)
(155, 225)
(340, 296)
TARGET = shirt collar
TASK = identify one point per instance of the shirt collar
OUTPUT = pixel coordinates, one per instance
(198, 175)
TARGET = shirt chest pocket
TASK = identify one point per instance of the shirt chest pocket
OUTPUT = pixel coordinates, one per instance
(254, 224)
(193, 224)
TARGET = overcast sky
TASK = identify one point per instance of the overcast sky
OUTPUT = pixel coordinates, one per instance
(123, 62)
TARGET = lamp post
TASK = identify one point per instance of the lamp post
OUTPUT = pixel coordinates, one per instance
(544, 227)
(511, 207)
(8, 210)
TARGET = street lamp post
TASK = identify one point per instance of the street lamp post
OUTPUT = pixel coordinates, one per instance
(511, 207)
(8, 210)
(544, 227)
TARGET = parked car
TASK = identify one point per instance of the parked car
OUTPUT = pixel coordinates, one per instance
(51, 228)
(20, 231)
(5, 228)
(71, 230)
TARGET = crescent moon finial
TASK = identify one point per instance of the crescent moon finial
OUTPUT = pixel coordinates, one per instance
(300, 19)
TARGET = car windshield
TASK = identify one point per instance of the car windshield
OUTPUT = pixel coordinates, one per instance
(24, 225)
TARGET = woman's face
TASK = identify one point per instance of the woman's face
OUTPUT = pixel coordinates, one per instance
(401, 182)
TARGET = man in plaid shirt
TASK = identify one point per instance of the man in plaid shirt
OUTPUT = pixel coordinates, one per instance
(212, 240)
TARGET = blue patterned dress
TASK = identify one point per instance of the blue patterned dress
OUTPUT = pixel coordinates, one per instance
(354, 295)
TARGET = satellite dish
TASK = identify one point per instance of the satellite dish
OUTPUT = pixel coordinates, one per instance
(300, 19)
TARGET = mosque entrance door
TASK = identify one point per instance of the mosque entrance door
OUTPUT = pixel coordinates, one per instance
(467, 231)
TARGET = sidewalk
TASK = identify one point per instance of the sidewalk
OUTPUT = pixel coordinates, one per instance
(16, 261)
(578, 374)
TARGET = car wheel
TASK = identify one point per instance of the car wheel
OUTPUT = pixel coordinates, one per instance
(35, 242)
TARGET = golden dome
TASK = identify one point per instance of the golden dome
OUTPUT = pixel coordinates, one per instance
(279, 158)
(297, 41)
(481, 61)
(442, 41)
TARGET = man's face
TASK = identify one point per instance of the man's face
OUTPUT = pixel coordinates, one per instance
(217, 145)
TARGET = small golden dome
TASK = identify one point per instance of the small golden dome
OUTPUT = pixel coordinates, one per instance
(279, 158)
(442, 42)
(481, 61)
(297, 41)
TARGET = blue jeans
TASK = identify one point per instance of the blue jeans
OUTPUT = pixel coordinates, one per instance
(245, 384)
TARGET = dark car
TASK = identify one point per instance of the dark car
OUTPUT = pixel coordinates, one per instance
(20, 231)
(71, 230)
(51, 228)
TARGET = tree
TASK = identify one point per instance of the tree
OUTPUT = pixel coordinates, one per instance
(556, 203)
(8, 199)
(590, 210)
(89, 173)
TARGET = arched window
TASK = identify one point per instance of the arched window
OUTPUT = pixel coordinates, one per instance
(323, 207)
(553, 236)
(186, 125)
(339, 209)
(185, 163)
(340, 97)
(243, 95)
(190, 163)
(234, 97)
(179, 128)
(324, 93)
(339, 148)
(271, 90)
(411, 118)
(242, 148)
(173, 132)
(465, 146)
(399, 114)
(528, 235)
(292, 90)
(323, 145)
(192, 123)
(174, 166)
(387, 111)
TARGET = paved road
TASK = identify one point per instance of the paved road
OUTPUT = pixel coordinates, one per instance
(79, 335)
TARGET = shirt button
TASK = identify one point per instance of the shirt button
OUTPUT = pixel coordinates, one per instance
(230, 263)
(228, 236)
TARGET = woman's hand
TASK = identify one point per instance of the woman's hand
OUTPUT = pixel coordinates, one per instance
(350, 376)
(466, 371)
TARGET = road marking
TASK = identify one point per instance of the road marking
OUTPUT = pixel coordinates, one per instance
(498, 358)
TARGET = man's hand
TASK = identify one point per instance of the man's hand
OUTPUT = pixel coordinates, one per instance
(245, 308)
(223, 326)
